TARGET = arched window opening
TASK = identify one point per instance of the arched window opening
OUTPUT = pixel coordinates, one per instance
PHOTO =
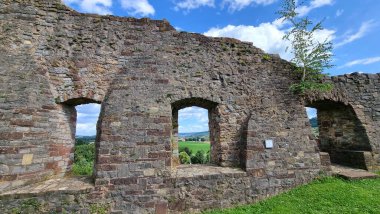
(340, 133)
(193, 136)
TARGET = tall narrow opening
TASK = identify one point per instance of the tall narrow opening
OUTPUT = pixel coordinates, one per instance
(341, 134)
(84, 149)
(79, 129)
(195, 133)
(312, 114)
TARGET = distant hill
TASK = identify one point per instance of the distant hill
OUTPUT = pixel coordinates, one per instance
(194, 134)
(313, 122)
(84, 139)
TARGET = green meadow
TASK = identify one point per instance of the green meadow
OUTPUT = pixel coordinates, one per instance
(194, 146)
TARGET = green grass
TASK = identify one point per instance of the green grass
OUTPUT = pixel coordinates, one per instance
(195, 146)
(328, 195)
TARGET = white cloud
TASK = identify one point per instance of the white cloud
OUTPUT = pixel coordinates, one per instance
(86, 129)
(267, 36)
(193, 119)
(236, 5)
(101, 7)
(363, 30)
(339, 12)
(304, 10)
(365, 61)
(193, 4)
(87, 117)
(194, 113)
(138, 7)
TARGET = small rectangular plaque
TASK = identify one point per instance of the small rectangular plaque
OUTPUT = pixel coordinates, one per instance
(269, 144)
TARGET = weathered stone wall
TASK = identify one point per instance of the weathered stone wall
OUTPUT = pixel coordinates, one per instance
(349, 120)
(142, 72)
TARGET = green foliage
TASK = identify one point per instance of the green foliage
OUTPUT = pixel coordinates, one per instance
(311, 57)
(194, 146)
(84, 157)
(199, 157)
(184, 158)
(327, 195)
(99, 208)
(29, 206)
(185, 149)
(199, 153)
(266, 57)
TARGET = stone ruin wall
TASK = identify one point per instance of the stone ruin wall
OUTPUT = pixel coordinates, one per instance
(349, 120)
(142, 71)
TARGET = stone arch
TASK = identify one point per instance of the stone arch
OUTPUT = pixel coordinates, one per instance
(342, 133)
(214, 128)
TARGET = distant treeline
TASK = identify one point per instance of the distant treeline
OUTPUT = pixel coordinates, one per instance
(314, 122)
(79, 140)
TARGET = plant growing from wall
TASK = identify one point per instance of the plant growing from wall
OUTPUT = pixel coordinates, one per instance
(311, 57)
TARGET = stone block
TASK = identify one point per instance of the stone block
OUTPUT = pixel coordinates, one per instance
(27, 159)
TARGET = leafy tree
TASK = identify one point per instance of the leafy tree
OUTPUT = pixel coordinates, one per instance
(311, 57)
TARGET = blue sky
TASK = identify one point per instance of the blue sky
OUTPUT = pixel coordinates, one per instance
(352, 26)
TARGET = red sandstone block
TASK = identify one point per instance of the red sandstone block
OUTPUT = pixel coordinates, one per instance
(151, 143)
(9, 150)
(26, 111)
(30, 175)
(256, 172)
(162, 120)
(110, 159)
(22, 123)
(49, 107)
(162, 81)
(36, 134)
(101, 182)
(51, 165)
(259, 148)
(103, 151)
(251, 134)
(162, 208)
(155, 132)
(7, 178)
(106, 167)
(153, 155)
(123, 181)
(11, 136)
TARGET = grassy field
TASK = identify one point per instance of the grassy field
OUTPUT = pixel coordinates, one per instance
(195, 146)
(328, 195)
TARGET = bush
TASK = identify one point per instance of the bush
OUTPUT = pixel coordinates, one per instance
(199, 157)
(187, 150)
(184, 158)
